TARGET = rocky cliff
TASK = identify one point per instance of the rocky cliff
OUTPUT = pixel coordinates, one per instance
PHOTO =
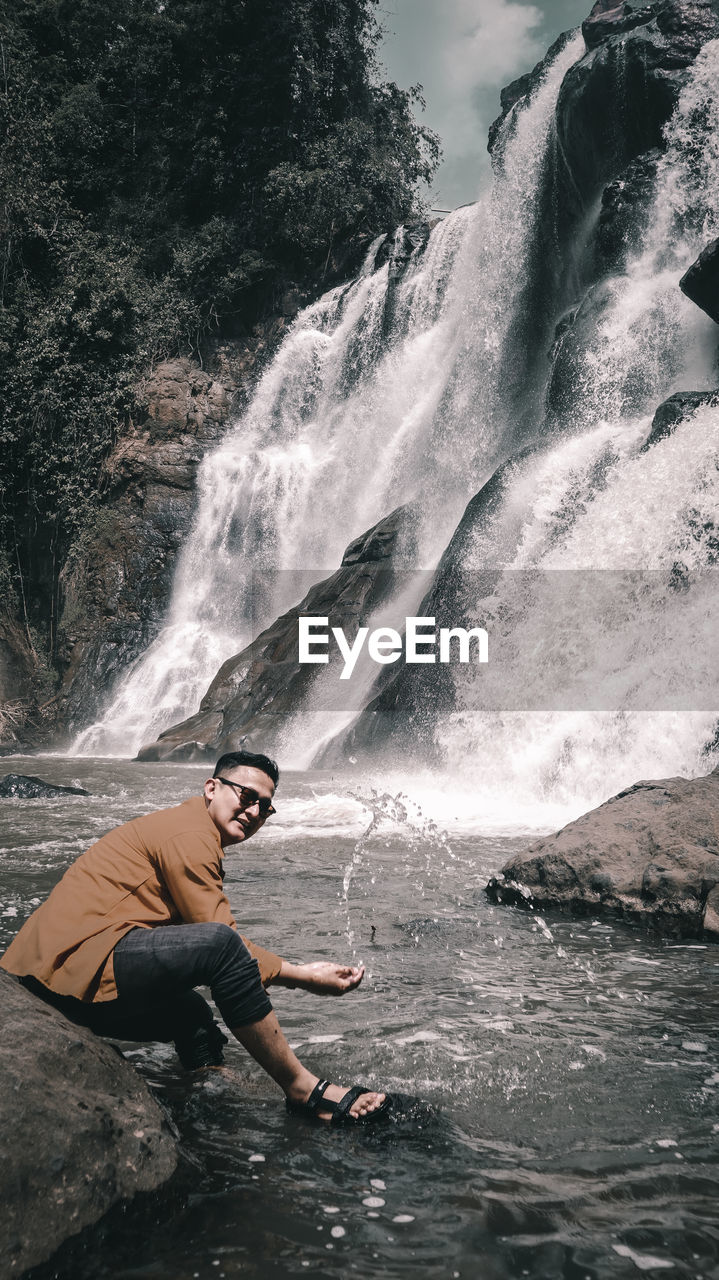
(117, 582)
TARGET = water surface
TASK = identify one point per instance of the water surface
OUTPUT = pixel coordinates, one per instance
(570, 1067)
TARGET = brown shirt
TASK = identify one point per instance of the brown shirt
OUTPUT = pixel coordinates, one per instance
(165, 868)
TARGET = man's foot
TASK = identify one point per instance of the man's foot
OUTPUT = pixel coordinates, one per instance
(363, 1106)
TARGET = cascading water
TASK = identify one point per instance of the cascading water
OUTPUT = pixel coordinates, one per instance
(372, 401)
(597, 502)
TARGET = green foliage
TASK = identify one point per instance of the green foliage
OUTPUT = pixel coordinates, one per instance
(163, 168)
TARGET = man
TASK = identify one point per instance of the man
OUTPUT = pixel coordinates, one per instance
(141, 919)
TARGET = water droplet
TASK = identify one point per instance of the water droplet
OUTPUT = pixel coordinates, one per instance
(378, 1184)
(403, 1217)
(373, 1202)
(257, 1159)
(338, 1232)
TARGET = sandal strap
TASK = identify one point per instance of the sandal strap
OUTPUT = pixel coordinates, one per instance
(342, 1107)
(315, 1098)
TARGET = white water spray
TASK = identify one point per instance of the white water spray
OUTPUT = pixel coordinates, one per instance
(597, 502)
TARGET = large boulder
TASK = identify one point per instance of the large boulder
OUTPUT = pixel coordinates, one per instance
(80, 1130)
(701, 281)
(649, 855)
(255, 692)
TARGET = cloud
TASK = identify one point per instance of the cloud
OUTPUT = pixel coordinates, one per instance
(463, 52)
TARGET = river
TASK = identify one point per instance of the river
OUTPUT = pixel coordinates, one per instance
(568, 1068)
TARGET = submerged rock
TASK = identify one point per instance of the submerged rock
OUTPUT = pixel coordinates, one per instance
(27, 787)
(80, 1130)
(701, 281)
(256, 692)
(649, 855)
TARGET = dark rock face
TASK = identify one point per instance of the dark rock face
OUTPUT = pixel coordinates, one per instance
(402, 714)
(623, 214)
(81, 1131)
(255, 692)
(677, 409)
(649, 855)
(614, 103)
(20, 786)
(116, 589)
(701, 281)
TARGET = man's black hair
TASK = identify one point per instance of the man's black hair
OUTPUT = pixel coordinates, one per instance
(251, 760)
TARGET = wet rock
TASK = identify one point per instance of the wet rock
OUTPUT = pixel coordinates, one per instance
(20, 786)
(649, 855)
(518, 89)
(615, 101)
(401, 714)
(625, 205)
(701, 281)
(677, 409)
(257, 691)
(81, 1131)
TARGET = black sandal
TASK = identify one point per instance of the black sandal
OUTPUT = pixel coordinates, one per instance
(340, 1110)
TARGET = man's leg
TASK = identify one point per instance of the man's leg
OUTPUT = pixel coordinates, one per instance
(151, 962)
(265, 1041)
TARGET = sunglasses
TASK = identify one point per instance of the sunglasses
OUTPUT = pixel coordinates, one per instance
(248, 797)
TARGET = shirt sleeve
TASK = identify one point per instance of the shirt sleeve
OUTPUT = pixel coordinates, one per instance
(192, 871)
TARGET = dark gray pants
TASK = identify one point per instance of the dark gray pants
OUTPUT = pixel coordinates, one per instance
(156, 971)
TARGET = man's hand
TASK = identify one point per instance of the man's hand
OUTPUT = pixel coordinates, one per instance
(322, 977)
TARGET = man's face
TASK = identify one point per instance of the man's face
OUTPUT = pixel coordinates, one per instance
(234, 822)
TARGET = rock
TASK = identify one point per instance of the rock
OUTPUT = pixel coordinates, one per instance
(701, 281)
(615, 101)
(27, 787)
(677, 409)
(81, 1131)
(649, 855)
(117, 584)
(518, 89)
(623, 214)
(401, 713)
(255, 692)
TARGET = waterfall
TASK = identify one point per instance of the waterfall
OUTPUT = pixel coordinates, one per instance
(385, 391)
(594, 502)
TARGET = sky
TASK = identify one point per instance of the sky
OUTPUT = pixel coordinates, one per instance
(462, 52)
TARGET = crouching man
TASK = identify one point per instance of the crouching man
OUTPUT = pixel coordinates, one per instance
(140, 920)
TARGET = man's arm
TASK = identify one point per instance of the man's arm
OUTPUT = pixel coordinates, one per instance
(190, 867)
(322, 977)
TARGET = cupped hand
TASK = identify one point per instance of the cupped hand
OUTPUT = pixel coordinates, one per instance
(327, 979)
